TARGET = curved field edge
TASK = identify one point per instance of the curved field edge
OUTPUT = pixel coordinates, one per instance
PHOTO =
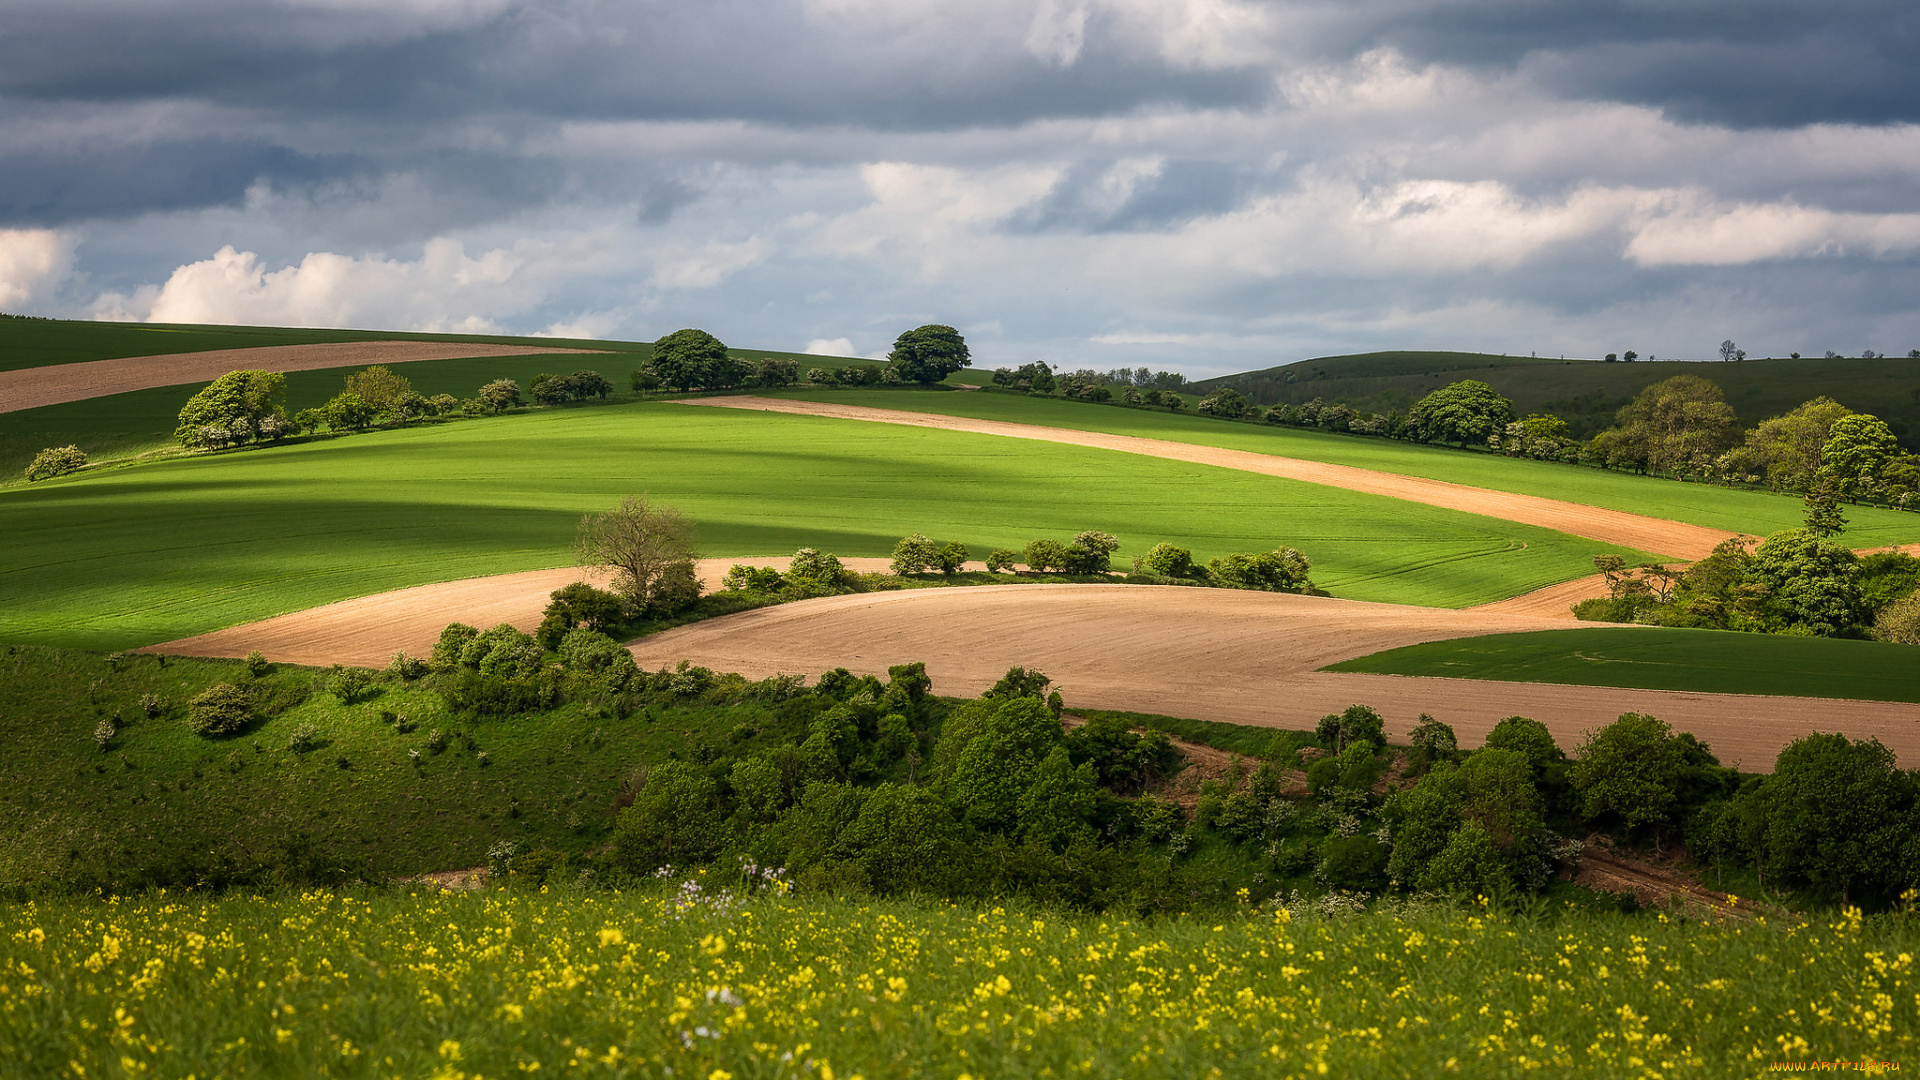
(1666, 658)
(647, 982)
(183, 546)
(1731, 509)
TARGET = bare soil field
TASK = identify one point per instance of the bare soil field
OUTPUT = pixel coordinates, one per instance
(1673, 538)
(1554, 601)
(1239, 657)
(368, 630)
(30, 388)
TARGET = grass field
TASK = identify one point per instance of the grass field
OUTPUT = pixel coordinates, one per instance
(1587, 393)
(181, 546)
(676, 982)
(1732, 509)
(1661, 658)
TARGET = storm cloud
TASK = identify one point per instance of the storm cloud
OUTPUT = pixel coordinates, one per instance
(1209, 184)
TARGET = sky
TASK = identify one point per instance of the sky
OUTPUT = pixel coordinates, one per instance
(1202, 185)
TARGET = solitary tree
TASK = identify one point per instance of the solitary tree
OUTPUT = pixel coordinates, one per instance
(649, 548)
(928, 353)
(1729, 352)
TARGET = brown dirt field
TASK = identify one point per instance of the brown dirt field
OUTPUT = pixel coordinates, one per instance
(368, 630)
(30, 388)
(1673, 538)
(1239, 657)
(1554, 601)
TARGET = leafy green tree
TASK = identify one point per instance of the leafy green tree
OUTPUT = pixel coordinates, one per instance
(1811, 582)
(1002, 559)
(1465, 412)
(1787, 449)
(1824, 517)
(1899, 621)
(649, 548)
(953, 557)
(1057, 803)
(380, 388)
(1357, 724)
(347, 412)
(686, 359)
(999, 760)
(220, 709)
(1167, 560)
(238, 397)
(1018, 682)
(1676, 425)
(816, 570)
(915, 554)
(677, 816)
(1091, 552)
(907, 840)
(1469, 865)
(1838, 813)
(1629, 773)
(500, 395)
(776, 371)
(1432, 741)
(1280, 570)
(928, 354)
(579, 605)
(594, 653)
(1225, 403)
(1046, 556)
(1500, 795)
(1858, 447)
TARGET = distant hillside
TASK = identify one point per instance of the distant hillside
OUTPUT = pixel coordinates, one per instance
(1586, 393)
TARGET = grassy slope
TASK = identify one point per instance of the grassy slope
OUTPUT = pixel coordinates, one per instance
(175, 547)
(1586, 393)
(1658, 658)
(123, 425)
(1721, 508)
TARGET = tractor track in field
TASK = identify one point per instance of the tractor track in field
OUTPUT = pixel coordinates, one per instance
(54, 384)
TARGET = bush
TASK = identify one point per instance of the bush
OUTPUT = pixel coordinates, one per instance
(220, 709)
(1280, 570)
(591, 651)
(452, 645)
(406, 667)
(56, 461)
(1091, 552)
(1899, 621)
(349, 684)
(257, 664)
(1358, 724)
(953, 557)
(676, 817)
(1046, 556)
(303, 738)
(814, 569)
(1002, 559)
(915, 555)
(1168, 561)
(1352, 863)
(754, 578)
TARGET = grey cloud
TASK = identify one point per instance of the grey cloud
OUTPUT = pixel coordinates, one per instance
(40, 186)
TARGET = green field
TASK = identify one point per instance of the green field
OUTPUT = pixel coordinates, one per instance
(1663, 658)
(1586, 393)
(132, 556)
(123, 425)
(652, 983)
(1735, 510)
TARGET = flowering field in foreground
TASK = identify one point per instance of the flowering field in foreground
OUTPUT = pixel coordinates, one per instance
(681, 984)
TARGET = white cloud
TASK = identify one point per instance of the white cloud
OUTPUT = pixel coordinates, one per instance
(443, 290)
(32, 261)
(1707, 234)
(830, 347)
(1058, 31)
(707, 265)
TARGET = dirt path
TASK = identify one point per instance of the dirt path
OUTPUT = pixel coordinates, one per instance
(30, 388)
(368, 630)
(1672, 538)
(1239, 657)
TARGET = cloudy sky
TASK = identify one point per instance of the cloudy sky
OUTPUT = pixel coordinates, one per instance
(1211, 185)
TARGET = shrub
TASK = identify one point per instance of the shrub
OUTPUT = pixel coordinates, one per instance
(643, 381)
(500, 395)
(152, 705)
(436, 741)
(1091, 552)
(349, 684)
(56, 461)
(1358, 723)
(1002, 559)
(1280, 570)
(452, 645)
(1046, 556)
(1899, 621)
(348, 412)
(755, 578)
(676, 817)
(1352, 863)
(1167, 560)
(814, 569)
(220, 709)
(594, 652)
(442, 405)
(1432, 741)
(915, 555)
(1019, 682)
(406, 667)
(303, 738)
(103, 734)
(953, 557)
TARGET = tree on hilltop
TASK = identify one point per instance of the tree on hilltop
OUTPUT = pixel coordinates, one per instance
(929, 353)
(1465, 412)
(686, 359)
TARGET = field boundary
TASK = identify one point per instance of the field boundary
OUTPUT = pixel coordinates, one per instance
(57, 384)
(1674, 538)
